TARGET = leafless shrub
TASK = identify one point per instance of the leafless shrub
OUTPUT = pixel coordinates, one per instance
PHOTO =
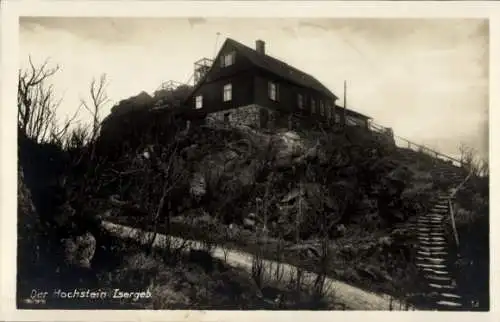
(78, 138)
(82, 141)
(229, 233)
(258, 269)
(470, 161)
(319, 290)
(167, 167)
(98, 99)
(279, 257)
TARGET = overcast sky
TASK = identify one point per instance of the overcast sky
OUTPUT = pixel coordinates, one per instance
(427, 79)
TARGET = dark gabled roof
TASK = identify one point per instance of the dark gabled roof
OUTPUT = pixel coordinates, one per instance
(272, 65)
(280, 68)
(354, 113)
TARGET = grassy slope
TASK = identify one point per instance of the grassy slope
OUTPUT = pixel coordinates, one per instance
(362, 256)
(174, 283)
(472, 220)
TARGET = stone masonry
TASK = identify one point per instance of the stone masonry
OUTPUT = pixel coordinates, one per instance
(251, 115)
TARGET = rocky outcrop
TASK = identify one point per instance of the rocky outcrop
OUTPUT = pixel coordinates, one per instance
(30, 230)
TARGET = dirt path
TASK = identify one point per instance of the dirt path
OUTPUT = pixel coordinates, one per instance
(353, 297)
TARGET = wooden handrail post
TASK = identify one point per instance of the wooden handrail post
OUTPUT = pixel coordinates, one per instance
(450, 207)
(453, 225)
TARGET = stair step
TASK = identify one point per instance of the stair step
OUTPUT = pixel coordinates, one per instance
(438, 278)
(427, 254)
(431, 235)
(432, 243)
(435, 271)
(430, 248)
(430, 229)
(449, 303)
(433, 285)
(429, 224)
(433, 260)
(450, 295)
(431, 265)
(442, 212)
(431, 253)
(436, 217)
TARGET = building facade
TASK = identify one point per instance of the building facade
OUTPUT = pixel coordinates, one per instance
(247, 86)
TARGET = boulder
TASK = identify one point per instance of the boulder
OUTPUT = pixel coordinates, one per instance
(197, 185)
(340, 229)
(79, 250)
(295, 193)
(249, 223)
(385, 241)
(190, 152)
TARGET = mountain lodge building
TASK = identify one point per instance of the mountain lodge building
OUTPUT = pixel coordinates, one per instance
(247, 86)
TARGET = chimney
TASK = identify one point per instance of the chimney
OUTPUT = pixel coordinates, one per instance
(260, 46)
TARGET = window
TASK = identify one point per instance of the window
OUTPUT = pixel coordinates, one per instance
(199, 101)
(313, 106)
(227, 59)
(328, 111)
(228, 92)
(273, 91)
(300, 101)
(321, 108)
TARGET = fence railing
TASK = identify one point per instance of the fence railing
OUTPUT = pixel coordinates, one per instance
(405, 143)
(438, 155)
(451, 208)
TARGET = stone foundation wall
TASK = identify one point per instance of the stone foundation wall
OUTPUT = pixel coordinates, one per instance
(250, 115)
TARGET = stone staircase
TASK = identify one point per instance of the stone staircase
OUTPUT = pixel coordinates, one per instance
(436, 252)
(434, 258)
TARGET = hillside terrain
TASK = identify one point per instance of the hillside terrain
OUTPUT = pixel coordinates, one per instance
(337, 201)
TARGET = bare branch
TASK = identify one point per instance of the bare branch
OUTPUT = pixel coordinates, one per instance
(36, 104)
(98, 99)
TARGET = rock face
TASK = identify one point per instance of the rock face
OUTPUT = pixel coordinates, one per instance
(58, 243)
(30, 231)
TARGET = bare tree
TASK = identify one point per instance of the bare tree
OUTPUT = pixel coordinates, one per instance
(169, 169)
(472, 162)
(98, 99)
(78, 137)
(484, 167)
(466, 155)
(38, 106)
(82, 140)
